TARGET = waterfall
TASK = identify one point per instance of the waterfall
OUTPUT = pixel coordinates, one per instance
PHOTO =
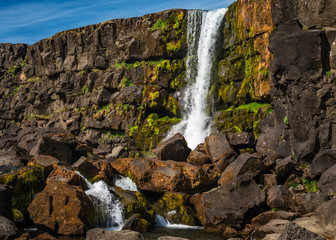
(108, 210)
(162, 222)
(202, 37)
(125, 183)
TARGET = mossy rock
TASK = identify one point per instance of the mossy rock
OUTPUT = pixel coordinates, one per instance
(136, 203)
(136, 223)
(175, 208)
(151, 131)
(243, 118)
(26, 182)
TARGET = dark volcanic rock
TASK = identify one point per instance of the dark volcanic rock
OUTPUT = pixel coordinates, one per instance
(310, 201)
(322, 162)
(293, 231)
(327, 181)
(175, 148)
(229, 204)
(219, 150)
(279, 197)
(6, 202)
(245, 163)
(325, 215)
(8, 230)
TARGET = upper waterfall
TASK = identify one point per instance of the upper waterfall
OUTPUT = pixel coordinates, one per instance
(202, 36)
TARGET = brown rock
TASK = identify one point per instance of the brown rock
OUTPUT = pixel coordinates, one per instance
(175, 148)
(160, 176)
(245, 163)
(47, 162)
(198, 158)
(63, 209)
(8, 230)
(219, 150)
(265, 217)
(279, 197)
(63, 174)
(322, 162)
(10, 160)
(327, 181)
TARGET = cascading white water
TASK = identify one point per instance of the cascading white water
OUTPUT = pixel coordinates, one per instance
(108, 210)
(125, 183)
(162, 222)
(196, 122)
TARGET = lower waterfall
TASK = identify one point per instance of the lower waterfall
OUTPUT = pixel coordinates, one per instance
(202, 37)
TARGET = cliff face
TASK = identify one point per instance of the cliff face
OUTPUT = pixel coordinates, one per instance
(101, 82)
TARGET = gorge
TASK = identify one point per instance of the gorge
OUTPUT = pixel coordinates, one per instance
(219, 119)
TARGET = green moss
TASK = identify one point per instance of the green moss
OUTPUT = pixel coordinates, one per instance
(85, 89)
(112, 135)
(39, 116)
(286, 121)
(172, 105)
(173, 206)
(26, 182)
(148, 133)
(174, 47)
(245, 117)
(160, 25)
(103, 112)
(34, 80)
(18, 216)
(83, 73)
(12, 70)
(311, 185)
(178, 82)
(125, 82)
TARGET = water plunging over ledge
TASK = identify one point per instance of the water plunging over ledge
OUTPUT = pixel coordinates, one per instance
(202, 37)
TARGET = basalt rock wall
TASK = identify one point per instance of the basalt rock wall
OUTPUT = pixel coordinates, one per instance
(103, 83)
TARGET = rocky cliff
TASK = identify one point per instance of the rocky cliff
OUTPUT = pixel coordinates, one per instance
(95, 99)
(100, 82)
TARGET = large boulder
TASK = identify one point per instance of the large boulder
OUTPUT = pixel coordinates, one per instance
(151, 174)
(46, 162)
(175, 148)
(325, 215)
(8, 230)
(327, 181)
(103, 234)
(309, 202)
(245, 163)
(229, 204)
(6, 202)
(293, 231)
(322, 162)
(219, 150)
(63, 209)
(51, 147)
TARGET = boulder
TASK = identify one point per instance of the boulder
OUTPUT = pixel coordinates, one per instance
(325, 215)
(51, 147)
(6, 202)
(175, 148)
(327, 181)
(241, 139)
(63, 209)
(136, 203)
(175, 207)
(226, 205)
(44, 161)
(103, 234)
(309, 202)
(322, 161)
(94, 170)
(8, 230)
(279, 197)
(136, 223)
(293, 231)
(63, 174)
(265, 217)
(198, 158)
(151, 174)
(10, 160)
(275, 226)
(245, 163)
(284, 166)
(219, 150)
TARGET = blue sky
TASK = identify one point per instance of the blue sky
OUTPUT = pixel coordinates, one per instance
(28, 21)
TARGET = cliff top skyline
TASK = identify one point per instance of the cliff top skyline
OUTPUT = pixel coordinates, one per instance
(30, 21)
